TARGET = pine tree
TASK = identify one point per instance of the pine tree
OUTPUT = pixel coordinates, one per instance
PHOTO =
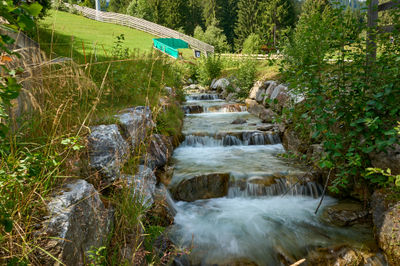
(175, 13)
(277, 15)
(248, 20)
(195, 15)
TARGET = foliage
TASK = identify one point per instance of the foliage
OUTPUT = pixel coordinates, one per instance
(209, 68)
(245, 77)
(213, 36)
(351, 106)
(248, 20)
(252, 44)
(119, 51)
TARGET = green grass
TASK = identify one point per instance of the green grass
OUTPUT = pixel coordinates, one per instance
(74, 31)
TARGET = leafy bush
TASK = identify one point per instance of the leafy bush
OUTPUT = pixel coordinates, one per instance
(252, 44)
(351, 106)
(209, 68)
(245, 77)
(213, 36)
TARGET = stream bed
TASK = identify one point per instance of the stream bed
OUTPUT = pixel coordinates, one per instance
(267, 216)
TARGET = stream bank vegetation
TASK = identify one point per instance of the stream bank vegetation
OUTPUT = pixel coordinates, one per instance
(352, 105)
(47, 108)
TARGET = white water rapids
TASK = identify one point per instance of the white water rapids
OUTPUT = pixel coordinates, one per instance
(253, 222)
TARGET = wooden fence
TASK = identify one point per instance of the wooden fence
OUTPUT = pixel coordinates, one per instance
(373, 11)
(253, 56)
(143, 25)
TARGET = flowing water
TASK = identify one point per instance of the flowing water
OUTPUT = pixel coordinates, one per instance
(267, 217)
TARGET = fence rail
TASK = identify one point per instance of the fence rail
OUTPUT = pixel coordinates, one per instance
(254, 56)
(143, 25)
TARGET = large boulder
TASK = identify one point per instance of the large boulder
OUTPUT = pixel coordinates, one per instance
(266, 115)
(293, 143)
(135, 123)
(343, 256)
(159, 151)
(257, 92)
(386, 217)
(107, 151)
(220, 84)
(192, 109)
(78, 222)
(345, 213)
(202, 187)
(389, 159)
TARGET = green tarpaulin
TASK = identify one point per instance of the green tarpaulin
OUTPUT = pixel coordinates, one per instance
(170, 46)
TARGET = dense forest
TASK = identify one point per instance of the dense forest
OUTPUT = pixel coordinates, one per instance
(226, 24)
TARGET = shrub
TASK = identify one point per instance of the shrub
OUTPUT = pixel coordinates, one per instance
(252, 44)
(209, 68)
(351, 106)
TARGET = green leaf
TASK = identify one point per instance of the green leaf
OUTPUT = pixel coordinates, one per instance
(33, 9)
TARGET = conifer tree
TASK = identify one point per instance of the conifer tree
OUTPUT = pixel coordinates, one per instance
(248, 20)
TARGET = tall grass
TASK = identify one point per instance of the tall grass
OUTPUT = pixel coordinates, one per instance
(59, 102)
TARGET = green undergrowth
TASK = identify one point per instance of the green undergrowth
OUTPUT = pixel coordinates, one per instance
(59, 102)
(352, 103)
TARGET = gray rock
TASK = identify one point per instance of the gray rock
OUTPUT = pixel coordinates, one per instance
(231, 97)
(386, 218)
(266, 115)
(202, 187)
(389, 159)
(169, 90)
(239, 121)
(135, 123)
(343, 256)
(78, 222)
(258, 91)
(220, 84)
(277, 90)
(143, 185)
(293, 143)
(345, 213)
(192, 109)
(159, 151)
(107, 151)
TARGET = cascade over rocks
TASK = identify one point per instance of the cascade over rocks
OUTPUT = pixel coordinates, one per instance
(78, 222)
(202, 187)
(108, 151)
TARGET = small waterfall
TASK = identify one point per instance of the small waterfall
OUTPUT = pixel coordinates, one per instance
(281, 187)
(229, 140)
(260, 138)
(227, 108)
(248, 138)
(199, 141)
(173, 208)
(201, 97)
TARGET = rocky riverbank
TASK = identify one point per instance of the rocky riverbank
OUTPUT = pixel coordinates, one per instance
(79, 219)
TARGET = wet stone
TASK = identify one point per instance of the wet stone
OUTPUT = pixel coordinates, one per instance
(345, 213)
(202, 187)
